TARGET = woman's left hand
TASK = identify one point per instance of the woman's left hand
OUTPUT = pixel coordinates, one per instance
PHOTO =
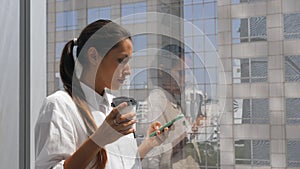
(150, 142)
(160, 137)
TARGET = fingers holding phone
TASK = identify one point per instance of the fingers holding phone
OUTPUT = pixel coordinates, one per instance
(161, 133)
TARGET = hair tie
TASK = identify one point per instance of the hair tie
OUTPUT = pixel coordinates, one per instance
(75, 41)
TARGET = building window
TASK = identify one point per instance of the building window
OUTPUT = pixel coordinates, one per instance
(292, 110)
(140, 45)
(58, 50)
(98, 13)
(251, 111)
(252, 152)
(66, 20)
(138, 79)
(293, 158)
(249, 29)
(242, 1)
(292, 26)
(292, 68)
(134, 13)
(250, 70)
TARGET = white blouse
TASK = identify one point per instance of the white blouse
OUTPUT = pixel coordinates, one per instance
(60, 131)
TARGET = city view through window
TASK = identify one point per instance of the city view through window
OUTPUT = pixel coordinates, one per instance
(228, 71)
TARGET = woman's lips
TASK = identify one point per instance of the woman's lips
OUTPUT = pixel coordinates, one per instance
(121, 81)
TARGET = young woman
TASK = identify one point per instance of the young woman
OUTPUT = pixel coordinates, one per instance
(77, 128)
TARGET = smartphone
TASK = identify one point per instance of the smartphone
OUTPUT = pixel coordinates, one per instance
(169, 124)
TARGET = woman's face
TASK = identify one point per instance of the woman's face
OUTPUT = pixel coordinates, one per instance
(114, 67)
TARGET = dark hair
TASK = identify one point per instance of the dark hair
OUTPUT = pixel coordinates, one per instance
(104, 35)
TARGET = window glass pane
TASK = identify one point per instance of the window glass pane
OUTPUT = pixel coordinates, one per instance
(240, 30)
(260, 111)
(293, 158)
(59, 20)
(258, 29)
(198, 43)
(242, 69)
(139, 79)
(199, 24)
(241, 1)
(292, 110)
(58, 49)
(246, 111)
(209, 10)
(236, 70)
(256, 0)
(251, 111)
(245, 73)
(209, 153)
(242, 151)
(188, 12)
(261, 152)
(252, 152)
(198, 60)
(212, 40)
(211, 75)
(292, 26)
(242, 111)
(140, 44)
(198, 11)
(210, 26)
(292, 69)
(259, 70)
(66, 20)
(98, 13)
(130, 10)
(199, 75)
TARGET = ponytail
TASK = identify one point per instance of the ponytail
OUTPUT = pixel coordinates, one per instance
(72, 86)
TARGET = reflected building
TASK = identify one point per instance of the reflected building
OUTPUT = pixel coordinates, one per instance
(257, 42)
(257, 39)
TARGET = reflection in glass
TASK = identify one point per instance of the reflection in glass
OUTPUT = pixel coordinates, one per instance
(252, 152)
(134, 13)
(292, 69)
(140, 44)
(293, 158)
(242, 1)
(251, 111)
(66, 20)
(249, 29)
(292, 26)
(139, 79)
(58, 49)
(292, 110)
(258, 29)
(250, 70)
(97, 13)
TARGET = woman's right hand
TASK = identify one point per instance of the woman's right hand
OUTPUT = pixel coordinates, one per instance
(115, 126)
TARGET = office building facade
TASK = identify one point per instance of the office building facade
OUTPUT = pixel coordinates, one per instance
(256, 69)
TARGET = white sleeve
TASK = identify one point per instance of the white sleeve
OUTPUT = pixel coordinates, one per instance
(54, 136)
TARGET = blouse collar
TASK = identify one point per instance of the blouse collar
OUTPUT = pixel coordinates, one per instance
(94, 99)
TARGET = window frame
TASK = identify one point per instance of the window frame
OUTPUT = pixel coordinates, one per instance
(249, 38)
(251, 79)
(251, 118)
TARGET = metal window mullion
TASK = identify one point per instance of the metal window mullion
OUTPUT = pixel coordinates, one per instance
(250, 70)
(251, 149)
(251, 117)
(24, 86)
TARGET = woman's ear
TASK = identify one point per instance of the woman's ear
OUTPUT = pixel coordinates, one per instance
(94, 57)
